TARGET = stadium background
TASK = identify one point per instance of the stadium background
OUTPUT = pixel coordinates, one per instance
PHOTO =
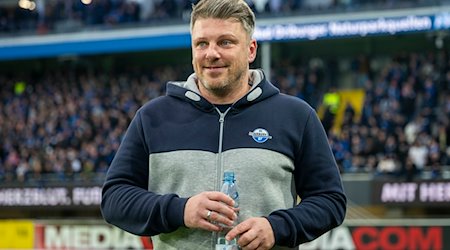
(72, 74)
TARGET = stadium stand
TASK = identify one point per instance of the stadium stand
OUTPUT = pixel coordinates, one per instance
(67, 125)
(64, 124)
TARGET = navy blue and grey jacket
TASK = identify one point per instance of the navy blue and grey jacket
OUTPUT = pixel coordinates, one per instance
(179, 145)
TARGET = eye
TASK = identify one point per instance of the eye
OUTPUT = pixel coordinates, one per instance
(201, 44)
(226, 42)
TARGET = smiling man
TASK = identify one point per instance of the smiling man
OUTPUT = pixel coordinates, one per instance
(165, 178)
(222, 51)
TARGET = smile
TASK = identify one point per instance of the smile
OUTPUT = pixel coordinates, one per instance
(215, 69)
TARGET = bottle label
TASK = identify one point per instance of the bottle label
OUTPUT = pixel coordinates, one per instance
(223, 244)
(226, 247)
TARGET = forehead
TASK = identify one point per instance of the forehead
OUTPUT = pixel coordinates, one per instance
(217, 27)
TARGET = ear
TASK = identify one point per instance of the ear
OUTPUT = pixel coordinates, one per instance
(252, 49)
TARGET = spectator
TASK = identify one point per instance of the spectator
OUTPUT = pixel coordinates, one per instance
(418, 153)
(387, 165)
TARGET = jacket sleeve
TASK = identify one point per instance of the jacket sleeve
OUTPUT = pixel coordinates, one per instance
(318, 183)
(126, 202)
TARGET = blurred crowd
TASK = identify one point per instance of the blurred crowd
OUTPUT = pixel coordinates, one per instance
(403, 129)
(50, 16)
(69, 123)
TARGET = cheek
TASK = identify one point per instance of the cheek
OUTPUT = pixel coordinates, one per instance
(195, 62)
(196, 58)
(196, 65)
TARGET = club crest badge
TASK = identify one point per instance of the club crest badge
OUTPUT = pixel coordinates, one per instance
(260, 135)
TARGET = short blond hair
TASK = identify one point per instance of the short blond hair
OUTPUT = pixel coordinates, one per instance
(225, 9)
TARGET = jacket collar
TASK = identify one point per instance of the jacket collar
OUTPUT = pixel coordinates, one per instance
(188, 91)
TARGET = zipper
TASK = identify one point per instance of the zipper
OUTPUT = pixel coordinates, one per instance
(219, 152)
(219, 164)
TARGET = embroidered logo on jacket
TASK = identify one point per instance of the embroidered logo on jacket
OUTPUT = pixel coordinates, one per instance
(260, 135)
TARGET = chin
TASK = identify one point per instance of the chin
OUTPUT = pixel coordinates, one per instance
(214, 82)
(215, 85)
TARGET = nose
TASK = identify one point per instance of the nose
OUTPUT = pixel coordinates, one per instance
(212, 52)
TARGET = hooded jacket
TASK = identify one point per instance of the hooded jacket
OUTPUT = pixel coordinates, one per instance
(179, 145)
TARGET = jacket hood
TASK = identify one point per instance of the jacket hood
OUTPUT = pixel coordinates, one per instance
(188, 91)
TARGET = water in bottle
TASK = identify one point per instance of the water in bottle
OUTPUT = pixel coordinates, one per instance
(229, 187)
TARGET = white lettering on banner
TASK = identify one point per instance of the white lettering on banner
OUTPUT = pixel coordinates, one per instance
(87, 196)
(398, 192)
(34, 197)
(313, 31)
(57, 238)
(338, 238)
(381, 25)
(103, 243)
(435, 192)
(442, 21)
(89, 237)
(81, 238)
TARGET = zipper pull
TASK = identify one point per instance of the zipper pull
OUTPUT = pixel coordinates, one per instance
(222, 115)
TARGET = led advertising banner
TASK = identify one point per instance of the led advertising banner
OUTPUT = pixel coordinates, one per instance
(353, 28)
(420, 193)
(58, 197)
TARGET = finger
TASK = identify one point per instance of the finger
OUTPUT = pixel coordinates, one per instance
(240, 229)
(219, 196)
(219, 218)
(223, 213)
(251, 246)
(207, 225)
(249, 239)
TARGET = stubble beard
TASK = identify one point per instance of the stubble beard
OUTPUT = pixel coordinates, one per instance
(225, 87)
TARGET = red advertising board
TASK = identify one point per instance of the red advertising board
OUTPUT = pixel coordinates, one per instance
(395, 237)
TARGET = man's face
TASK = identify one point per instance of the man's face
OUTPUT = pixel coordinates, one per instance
(221, 51)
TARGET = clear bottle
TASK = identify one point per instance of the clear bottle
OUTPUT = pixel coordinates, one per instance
(229, 187)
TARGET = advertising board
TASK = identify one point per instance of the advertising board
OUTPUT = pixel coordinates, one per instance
(48, 197)
(380, 234)
(86, 236)
(372, 237)
(412, 194)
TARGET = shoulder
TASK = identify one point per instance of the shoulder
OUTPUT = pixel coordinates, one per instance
(160, 103)
(292, 103)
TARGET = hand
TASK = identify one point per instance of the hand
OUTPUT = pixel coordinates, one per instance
(254, 233)
(217, 205)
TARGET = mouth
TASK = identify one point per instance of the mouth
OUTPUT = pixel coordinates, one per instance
(215, 69)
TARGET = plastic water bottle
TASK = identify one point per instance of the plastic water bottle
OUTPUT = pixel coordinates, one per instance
(229, 187)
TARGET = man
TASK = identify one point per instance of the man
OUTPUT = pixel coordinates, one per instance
(164, 178)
